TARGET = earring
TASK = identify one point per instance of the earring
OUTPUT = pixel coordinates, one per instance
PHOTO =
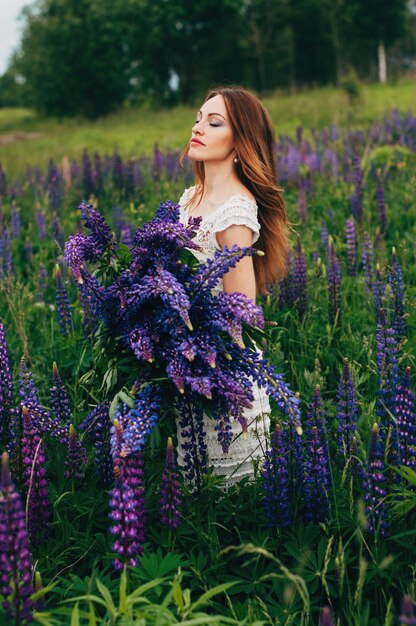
(236, 159)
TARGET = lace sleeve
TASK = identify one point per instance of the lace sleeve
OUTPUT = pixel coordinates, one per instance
(238, 211)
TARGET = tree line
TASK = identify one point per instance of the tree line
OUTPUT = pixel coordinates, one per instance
(88, 57)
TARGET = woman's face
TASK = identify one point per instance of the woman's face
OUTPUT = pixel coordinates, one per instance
(212, 136)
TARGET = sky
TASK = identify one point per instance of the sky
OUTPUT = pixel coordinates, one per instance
(10, 28)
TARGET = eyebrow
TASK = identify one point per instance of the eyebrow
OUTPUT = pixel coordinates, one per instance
(209, 114)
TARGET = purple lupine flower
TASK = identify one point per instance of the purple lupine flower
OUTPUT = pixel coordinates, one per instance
(294, 446)
(89, 312)
(300, 280)
(15, 222)
(15, 567)
(95, 222)
(293, 163)
(97, 427)
(381, 205)
(27, 387)
(379, 289)
(42, 282)
(388, 372)
(316, 478)
(406, 422)
(357, 196)
(3, 183)
(98, 174)
(36, 482)
(127, 504)
(326, 617)
(118, 171)
(63, 306)
(6, 260)
(275, 482)
(324, 237)
(194, 446)
(287, 286)
(126, 235)
(407, 616)
(302, 202)
(347, 412)
(395, 280)
(373, 486)
(6, 386)
(351, 247)
(367, 260)
(28, 251)
(158, 162)
(334, 285)
(76, 459)
(60, 404)
(170, 491)
(138, 422)
(57, 232)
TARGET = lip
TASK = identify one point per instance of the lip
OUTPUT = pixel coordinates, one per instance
(199, 143)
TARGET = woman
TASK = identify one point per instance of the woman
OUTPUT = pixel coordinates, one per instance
(237, 195)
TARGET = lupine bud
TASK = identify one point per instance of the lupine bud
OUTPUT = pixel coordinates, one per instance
(300, 280)
(346, 411)
(351, 247)
(170, 491)
(334, 285)
(97, 427)
(388, 371)
(6, 386)
(373, 486)
(406, 422)
(357, 196)
(381, 205)
(407, 616)
(63, 306)
(275, 482)
(76, 459)
(316, 478)
(16, 570)
(367, 260)
(395, 280)
(326, 617)
(60, 403)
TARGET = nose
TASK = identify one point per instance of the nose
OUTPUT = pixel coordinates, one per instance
(196, 128)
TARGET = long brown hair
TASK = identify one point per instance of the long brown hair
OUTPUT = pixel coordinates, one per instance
(256, 169)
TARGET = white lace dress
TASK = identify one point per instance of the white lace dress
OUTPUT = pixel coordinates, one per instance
(238, 462)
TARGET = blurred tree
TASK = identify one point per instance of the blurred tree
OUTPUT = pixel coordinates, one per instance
(76, 55)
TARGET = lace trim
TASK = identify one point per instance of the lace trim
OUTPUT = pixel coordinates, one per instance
(238, 210)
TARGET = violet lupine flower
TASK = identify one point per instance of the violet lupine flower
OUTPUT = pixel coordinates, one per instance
(324, 237)
(60, 404)
(97, 428)
(63, 306)
(406, 422)
(3, 183)
(302, 202)
(395, 280)
(15, 222)
(118, 171)
(41, 224)
(126, 235)
(36, 483)
(316, 478)
(373, 486)
(381, 205)
(27, 388)
(293, 163)
(275, 482)
(287, 286)
(76, 459)
(367, 260)
(388, 372)
(194, 446)
(170, 491)
(6, 386)
(15, 567)
(294, 446)
(379, 289)
(138, 422)
(407, 616)
(326, 617)
(315, 418)
(334, 285)
(351, 247)
(300, 280)
(127, 504)
(89, 312)
(347, 412)
(356, 197)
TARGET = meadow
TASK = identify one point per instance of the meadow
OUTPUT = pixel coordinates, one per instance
(326, 532)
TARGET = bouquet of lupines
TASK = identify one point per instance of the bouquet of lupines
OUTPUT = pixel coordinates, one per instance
(165, 331)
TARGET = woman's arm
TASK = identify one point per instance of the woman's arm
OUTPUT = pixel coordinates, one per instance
(240, 278)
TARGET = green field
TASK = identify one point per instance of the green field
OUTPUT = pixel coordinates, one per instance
(134, 132)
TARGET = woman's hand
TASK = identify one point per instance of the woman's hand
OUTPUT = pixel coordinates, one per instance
(240, 278)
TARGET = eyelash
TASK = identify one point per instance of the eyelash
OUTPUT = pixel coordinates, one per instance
(211, 123)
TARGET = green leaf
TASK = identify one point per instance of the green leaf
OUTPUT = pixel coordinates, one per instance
(107, 597)
(75, 616)
(211, 593)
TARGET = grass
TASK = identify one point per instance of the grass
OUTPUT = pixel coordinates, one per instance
(135, 131)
